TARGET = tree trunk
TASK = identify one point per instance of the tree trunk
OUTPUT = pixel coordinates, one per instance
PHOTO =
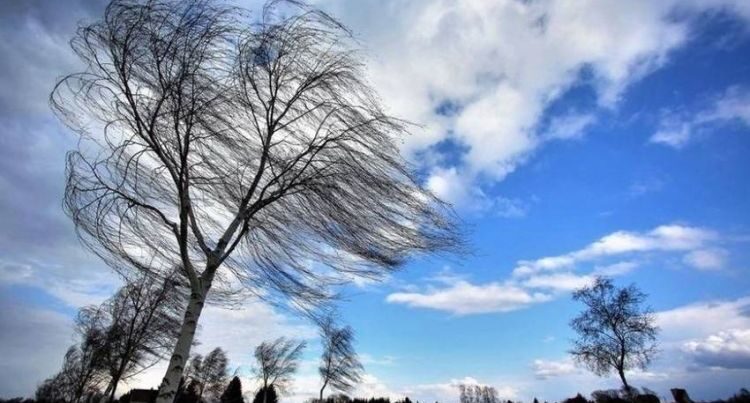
(321, 391)
(168, 387)
(115, 381)
(622, 377)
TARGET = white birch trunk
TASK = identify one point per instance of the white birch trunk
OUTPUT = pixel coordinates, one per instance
(168, 387)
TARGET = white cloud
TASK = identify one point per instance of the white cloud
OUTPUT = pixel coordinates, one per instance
(616, 269)
(425, 55)
(725, 349)
(541, 280)
(702, 319)
(677, 131)
(545, 369)
(707, 259)
(663, 238)
(559, 281)
(463, 298)
(459, 188)
(569, 126)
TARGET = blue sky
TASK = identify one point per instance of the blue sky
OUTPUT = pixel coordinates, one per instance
(573, 139)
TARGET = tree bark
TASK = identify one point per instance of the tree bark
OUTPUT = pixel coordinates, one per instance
(168, 387)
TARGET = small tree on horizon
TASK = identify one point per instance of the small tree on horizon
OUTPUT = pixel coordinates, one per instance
(340, 367)
(614, 331)
(277, 361)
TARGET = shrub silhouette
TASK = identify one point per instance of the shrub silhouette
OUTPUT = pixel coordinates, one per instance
(270, 395)
(233, 393)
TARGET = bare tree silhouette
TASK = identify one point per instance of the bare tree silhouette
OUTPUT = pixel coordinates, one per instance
(142, 320)
(614, 331)
(277, 361)
(340, 367)
(252, 156)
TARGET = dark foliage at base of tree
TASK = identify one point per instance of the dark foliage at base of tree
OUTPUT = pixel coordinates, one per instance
(266, 395)
(233, 393)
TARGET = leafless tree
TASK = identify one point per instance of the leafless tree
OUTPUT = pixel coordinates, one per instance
(614, 331)
(277, 361)
(252, 155)
(477, 394)
(340, 367)
(142, 320)
(214, 374)
(208, 373)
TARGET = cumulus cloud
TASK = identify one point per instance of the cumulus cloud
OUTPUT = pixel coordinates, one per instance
(727, 349)
(545, 369)
(678, 130)
(702, 319)
(450, 67)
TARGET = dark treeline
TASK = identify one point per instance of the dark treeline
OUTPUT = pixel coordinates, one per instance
(233, 394)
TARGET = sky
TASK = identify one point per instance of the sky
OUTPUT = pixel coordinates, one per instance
(573, 139)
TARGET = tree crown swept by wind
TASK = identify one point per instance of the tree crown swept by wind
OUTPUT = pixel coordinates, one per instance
(615, 332)
(209, 141)
(340, 367)
(249, 154)
(277, 361)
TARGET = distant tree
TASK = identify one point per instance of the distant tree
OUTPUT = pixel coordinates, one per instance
(477, 394)
(340, 367)
(215, 374)
(233, 393)
(578, 398)
(614, 331)
(53, 390)
(142, 321)
(266, 394)
(208, 374)
(276, 362)
(239, 151)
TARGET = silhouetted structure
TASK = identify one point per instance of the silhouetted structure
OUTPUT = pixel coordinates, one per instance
(277, 361)
(266, 395)
(233, 393)
(614, 331)
(340, 367)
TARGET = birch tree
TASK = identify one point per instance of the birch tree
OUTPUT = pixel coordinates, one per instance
(340, 367)
(250, 153)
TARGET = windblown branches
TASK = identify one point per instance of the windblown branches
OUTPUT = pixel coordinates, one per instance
(614, 331)
(209, 141)
(340, 367)
(277, 361)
